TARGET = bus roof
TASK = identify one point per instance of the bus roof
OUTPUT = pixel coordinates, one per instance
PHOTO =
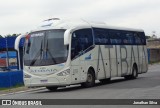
(56, 23)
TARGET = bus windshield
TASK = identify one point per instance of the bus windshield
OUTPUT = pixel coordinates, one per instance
(45, 48)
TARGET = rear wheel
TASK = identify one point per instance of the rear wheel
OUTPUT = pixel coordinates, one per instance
(128, 77)
(134, 72)
(52, 88)
(90, 79)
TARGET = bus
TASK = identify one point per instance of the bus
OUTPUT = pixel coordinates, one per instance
(61, 53)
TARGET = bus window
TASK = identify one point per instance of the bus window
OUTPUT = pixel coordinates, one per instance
(101, 36)
(143, 38)
(115, 37)
(137, 39)
(128, 38)
(81, 40)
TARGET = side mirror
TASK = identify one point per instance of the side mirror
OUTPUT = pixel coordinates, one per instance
(17, 41)
(67, 36)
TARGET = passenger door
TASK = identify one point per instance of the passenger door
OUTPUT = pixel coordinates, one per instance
(75, 53)
(82, 40)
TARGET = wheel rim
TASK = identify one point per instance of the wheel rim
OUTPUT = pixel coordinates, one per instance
(89, 78)
(134, 72)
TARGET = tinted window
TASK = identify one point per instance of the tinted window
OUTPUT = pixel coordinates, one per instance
(138, 40)
(115, 37)
(81, 40)
(143, 38)
(101, 36)
(128, 38)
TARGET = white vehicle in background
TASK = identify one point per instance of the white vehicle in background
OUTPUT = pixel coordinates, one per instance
(65, 52)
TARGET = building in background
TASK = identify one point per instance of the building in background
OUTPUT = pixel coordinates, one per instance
(12, 57)
(153, 46)
(9, 60)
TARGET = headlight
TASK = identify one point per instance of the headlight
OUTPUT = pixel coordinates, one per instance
(64, 73)
(27, 76)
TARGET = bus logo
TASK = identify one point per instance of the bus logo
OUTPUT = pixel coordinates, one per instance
(6, 102)
(88, 57)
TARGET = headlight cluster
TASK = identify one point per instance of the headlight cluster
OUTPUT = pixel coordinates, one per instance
(64, 73)
(27, 76)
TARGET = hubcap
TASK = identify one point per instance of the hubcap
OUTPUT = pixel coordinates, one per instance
(89, 78)
(134, 72)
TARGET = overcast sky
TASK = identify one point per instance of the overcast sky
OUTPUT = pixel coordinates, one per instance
(20, 16)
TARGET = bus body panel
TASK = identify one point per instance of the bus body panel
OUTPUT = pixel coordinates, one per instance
(107, 60)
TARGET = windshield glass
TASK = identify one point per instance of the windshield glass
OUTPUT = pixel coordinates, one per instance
(45, 48)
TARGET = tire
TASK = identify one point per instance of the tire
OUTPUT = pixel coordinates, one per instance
(128, 77)
(134, 72)
(52, 88)
(104, 81)
(90, 82)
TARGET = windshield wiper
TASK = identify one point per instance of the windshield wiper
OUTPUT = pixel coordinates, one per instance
(47, 50)
(37, 55)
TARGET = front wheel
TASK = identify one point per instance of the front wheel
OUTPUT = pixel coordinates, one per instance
(52, 88)
(90, 82)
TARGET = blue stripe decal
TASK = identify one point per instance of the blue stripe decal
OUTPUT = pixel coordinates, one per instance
(88, 57)
(60, 64)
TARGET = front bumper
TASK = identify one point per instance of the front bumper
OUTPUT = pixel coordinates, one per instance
(44, 82)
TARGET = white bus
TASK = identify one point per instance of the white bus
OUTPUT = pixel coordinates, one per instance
(66, 52)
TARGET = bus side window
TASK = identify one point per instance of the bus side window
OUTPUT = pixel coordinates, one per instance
(138, 40)
(81, 40)
(143, 38)
(101, 36)
(115, 37)
(74, 46)
(127, 38)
